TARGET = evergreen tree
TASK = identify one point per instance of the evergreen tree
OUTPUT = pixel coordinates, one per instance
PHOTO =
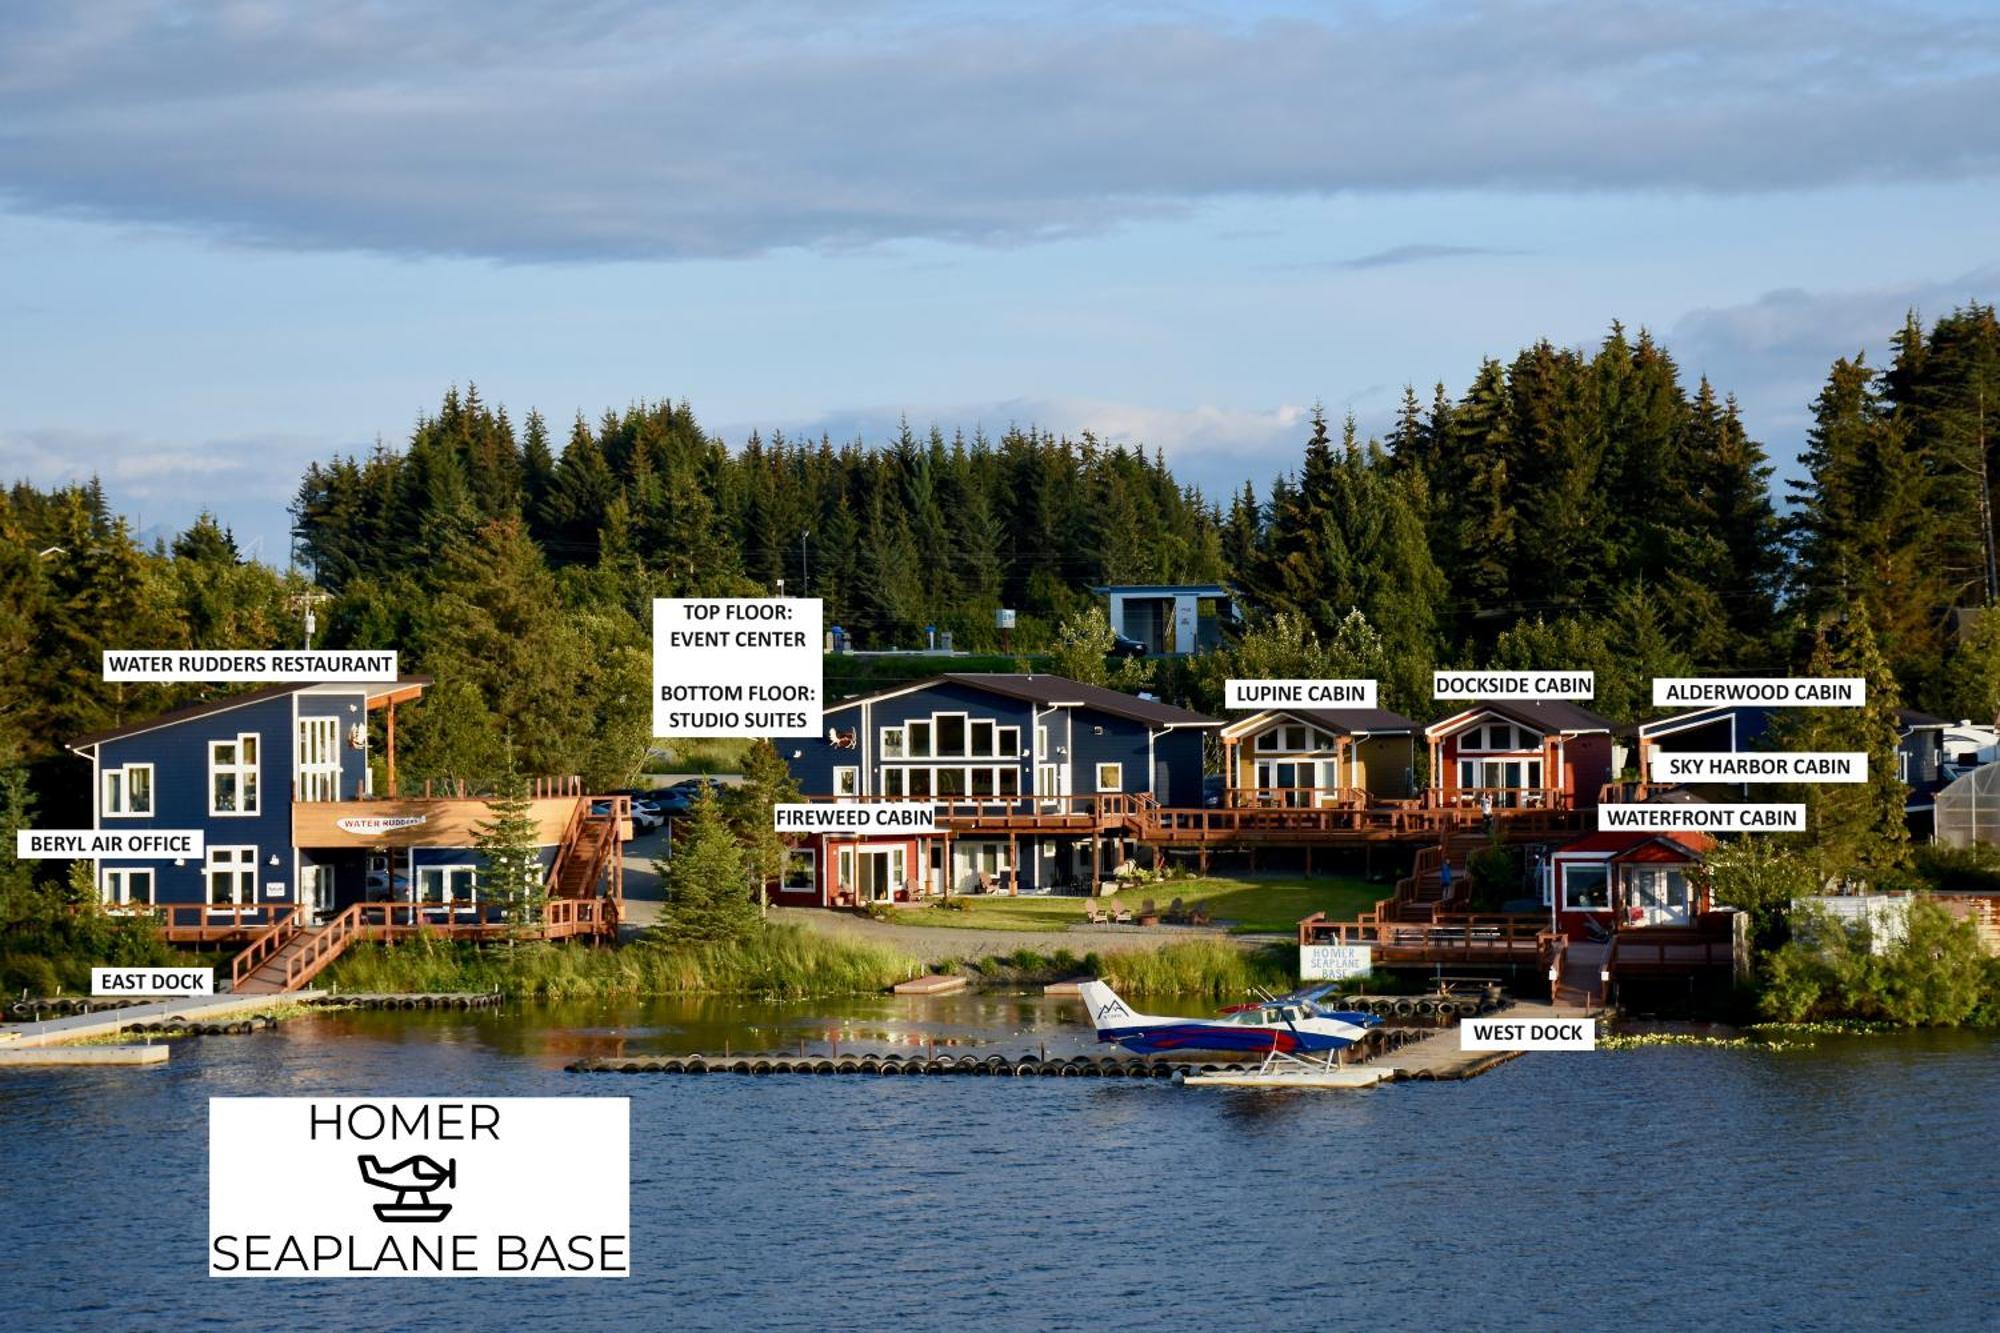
(705, 884)
(507, 839)
(767, 783)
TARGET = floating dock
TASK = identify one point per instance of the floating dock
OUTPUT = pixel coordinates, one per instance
(938, 983)
(10, 1057)
(189, 1011)
(407, 1000)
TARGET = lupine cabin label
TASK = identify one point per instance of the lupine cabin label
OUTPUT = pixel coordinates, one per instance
(1759, 766)
(1770, 691)
(737, 666)
(1299, 694)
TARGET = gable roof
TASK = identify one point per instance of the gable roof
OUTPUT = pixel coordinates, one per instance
(1345, 721)
(1047, 691)
(1543, 715)
(1623, 842)
(174, 717)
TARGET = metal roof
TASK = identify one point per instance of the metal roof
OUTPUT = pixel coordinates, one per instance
(173, 717)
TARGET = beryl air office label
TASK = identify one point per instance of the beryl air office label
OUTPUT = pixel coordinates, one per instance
(419, 1187)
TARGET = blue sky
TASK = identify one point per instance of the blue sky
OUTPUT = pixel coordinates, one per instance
(235, 237)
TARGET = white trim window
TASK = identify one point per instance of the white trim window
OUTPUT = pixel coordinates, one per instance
(1111, 777)
(448, 886)
(231, 875)
(232, 775)
(319, 759)
(125, 885)
(847, 781)
(1586, 888)
(892, 743)
(801, 872)
(128, 791)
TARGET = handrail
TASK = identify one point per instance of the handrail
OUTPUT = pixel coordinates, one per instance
(540, 788)
(325, 944)
(264, 945)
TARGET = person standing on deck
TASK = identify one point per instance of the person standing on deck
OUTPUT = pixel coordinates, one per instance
(1486, 810)
(1444, 880)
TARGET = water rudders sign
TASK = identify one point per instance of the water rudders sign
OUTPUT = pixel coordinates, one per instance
(419, 1187)
(737, 666)
(152, 981)
(1527, 1034)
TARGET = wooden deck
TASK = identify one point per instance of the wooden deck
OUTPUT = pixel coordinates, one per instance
(1515, 942)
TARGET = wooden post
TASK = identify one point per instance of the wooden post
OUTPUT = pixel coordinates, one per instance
(389, 748)
(1014, 861)
(1096, 864)
(1309, 860)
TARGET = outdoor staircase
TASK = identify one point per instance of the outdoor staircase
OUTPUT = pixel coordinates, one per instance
(290, 953)
(588, 848)
(1420, 895)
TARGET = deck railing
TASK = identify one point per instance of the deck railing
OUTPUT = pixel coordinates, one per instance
(264, 946)
(1308, 797)
(1503, 798)
(449, 789)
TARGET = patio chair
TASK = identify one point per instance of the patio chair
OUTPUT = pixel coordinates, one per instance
(1124, 916)
(1176, 911)
(1096, 916)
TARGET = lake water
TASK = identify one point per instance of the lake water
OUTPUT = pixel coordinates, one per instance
(1850, 1185)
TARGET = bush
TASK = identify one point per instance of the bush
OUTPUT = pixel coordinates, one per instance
(1975, 868)
(1936, 975)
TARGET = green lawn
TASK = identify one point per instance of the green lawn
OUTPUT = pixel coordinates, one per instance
(1240, 905)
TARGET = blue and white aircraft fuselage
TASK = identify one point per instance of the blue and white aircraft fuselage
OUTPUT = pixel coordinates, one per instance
(1289, 1026)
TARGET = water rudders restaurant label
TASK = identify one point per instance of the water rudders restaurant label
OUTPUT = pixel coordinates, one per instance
(107, 844)
(294, 665)
(737, 666)
(1696, 818)
(152, 981)
(1760, 766)
(1774, 691)
(1527, 1034)
(1299, 694)
(860, 817)
(419, 1187)
(1523, 685)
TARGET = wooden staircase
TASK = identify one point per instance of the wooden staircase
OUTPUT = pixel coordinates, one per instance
(1421, 895)
(289, 955)
(590, 848)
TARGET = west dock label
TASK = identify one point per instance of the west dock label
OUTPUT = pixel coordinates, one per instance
(737, 666)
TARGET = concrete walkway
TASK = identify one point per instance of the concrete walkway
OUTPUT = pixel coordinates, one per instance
(106, 1022)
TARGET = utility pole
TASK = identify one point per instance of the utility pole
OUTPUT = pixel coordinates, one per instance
(805, 570)
(305, 601)
(1986, 506)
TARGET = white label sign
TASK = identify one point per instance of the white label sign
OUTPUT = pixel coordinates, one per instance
(737, 666)
(417, 1187)
(379, 823)
(1774, 691)
(107, 844)
(1697, 818)
(1758, 766)
(1299, 693)
(1527, 1034)
(861, 817)
(301, 664)
(1513, 685)
(1335, 962)
(152, 981)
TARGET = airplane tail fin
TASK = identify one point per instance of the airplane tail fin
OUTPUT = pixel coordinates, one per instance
(1106, 1010)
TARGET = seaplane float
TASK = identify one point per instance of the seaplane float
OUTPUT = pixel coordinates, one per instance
(1300, 1041)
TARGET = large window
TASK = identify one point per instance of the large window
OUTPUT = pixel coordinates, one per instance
(449, 885)
(232, 776)
(128, 884)
(801, 869)
(950, 735)
(1586, 889)
(232, 875)
(128, 791)
(920, 740)
(319, 759)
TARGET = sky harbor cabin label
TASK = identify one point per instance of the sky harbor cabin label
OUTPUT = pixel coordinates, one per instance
(293, 666)
(746, 667)
(152, 981)
(1527, 1034)
(1299, 694)
(1517, 685)
(1697, 818)
(858, 817)
(108, 844)
(1757, 766)
(1770, 691)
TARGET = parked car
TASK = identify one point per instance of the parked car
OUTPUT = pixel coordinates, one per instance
(643, 819)
(1124, 645)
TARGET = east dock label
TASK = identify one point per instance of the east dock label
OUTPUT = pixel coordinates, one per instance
(1770, 691)
(1299, 694)
(737, 666)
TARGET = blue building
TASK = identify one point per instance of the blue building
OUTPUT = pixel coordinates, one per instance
(1030, 767)
(295, 815)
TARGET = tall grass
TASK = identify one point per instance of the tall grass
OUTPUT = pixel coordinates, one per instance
(778, 962)
(1199, 967)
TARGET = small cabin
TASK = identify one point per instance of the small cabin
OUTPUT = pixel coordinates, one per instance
(1534, 755)
(1606, 882)
(1318, 757)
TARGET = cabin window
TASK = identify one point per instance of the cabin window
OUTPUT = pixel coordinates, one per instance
(1007, 742)
(892, 742)
(950, 782)
(982, 782)
(1010, 781)
(1111, 777)
(232, 776)
(1586, 889)
(232, 875)
(892, 782)
(801, 869)
(1042, 742)
(128, 791)
(920, 782)
(920, 740)
(846, 781)
(319, 759)
(982, 740)
(1295, 738)
(128, 884)
(1322, 741)
(447, 885)
(950, 734)
(1269, 740)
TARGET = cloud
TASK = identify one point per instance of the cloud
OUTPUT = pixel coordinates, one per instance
(530, 130)
(1398, 255)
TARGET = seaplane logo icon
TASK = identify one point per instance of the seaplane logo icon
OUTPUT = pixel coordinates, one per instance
(416, 1176)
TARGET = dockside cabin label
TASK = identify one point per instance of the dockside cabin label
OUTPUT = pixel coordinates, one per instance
(295, 666)
(860, 817)
(1521, 685)
(737, 666)
(1771, 691)
(1299, 694)
(108, 844)
(1754, 766)
(1777, 818)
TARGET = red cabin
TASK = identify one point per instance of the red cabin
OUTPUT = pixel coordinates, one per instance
(1546, 755)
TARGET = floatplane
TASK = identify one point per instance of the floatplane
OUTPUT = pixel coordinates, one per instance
(1300, 1042)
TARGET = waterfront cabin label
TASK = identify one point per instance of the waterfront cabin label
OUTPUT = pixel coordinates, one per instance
(295, 666)
(1757, 766)
(737, 666)
(870, 817)
(152, 981)
(1697, 818)
(1520, 685)
(1299, 694)
(107, 844)
(417, 1187)
(1772, 691)
(1517, 1034)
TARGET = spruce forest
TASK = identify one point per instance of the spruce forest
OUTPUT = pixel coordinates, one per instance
(1567, 508)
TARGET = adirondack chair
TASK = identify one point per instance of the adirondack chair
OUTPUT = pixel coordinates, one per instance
(1124, 916)
(1096, 916)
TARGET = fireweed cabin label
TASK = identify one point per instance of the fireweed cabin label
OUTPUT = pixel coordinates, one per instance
(418, 1187)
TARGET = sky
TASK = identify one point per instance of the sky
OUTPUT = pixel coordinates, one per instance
(236, 237)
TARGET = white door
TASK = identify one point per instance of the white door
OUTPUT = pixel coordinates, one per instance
(319, 759)
(1659, 895)
(316, 892)
(1052, 780)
